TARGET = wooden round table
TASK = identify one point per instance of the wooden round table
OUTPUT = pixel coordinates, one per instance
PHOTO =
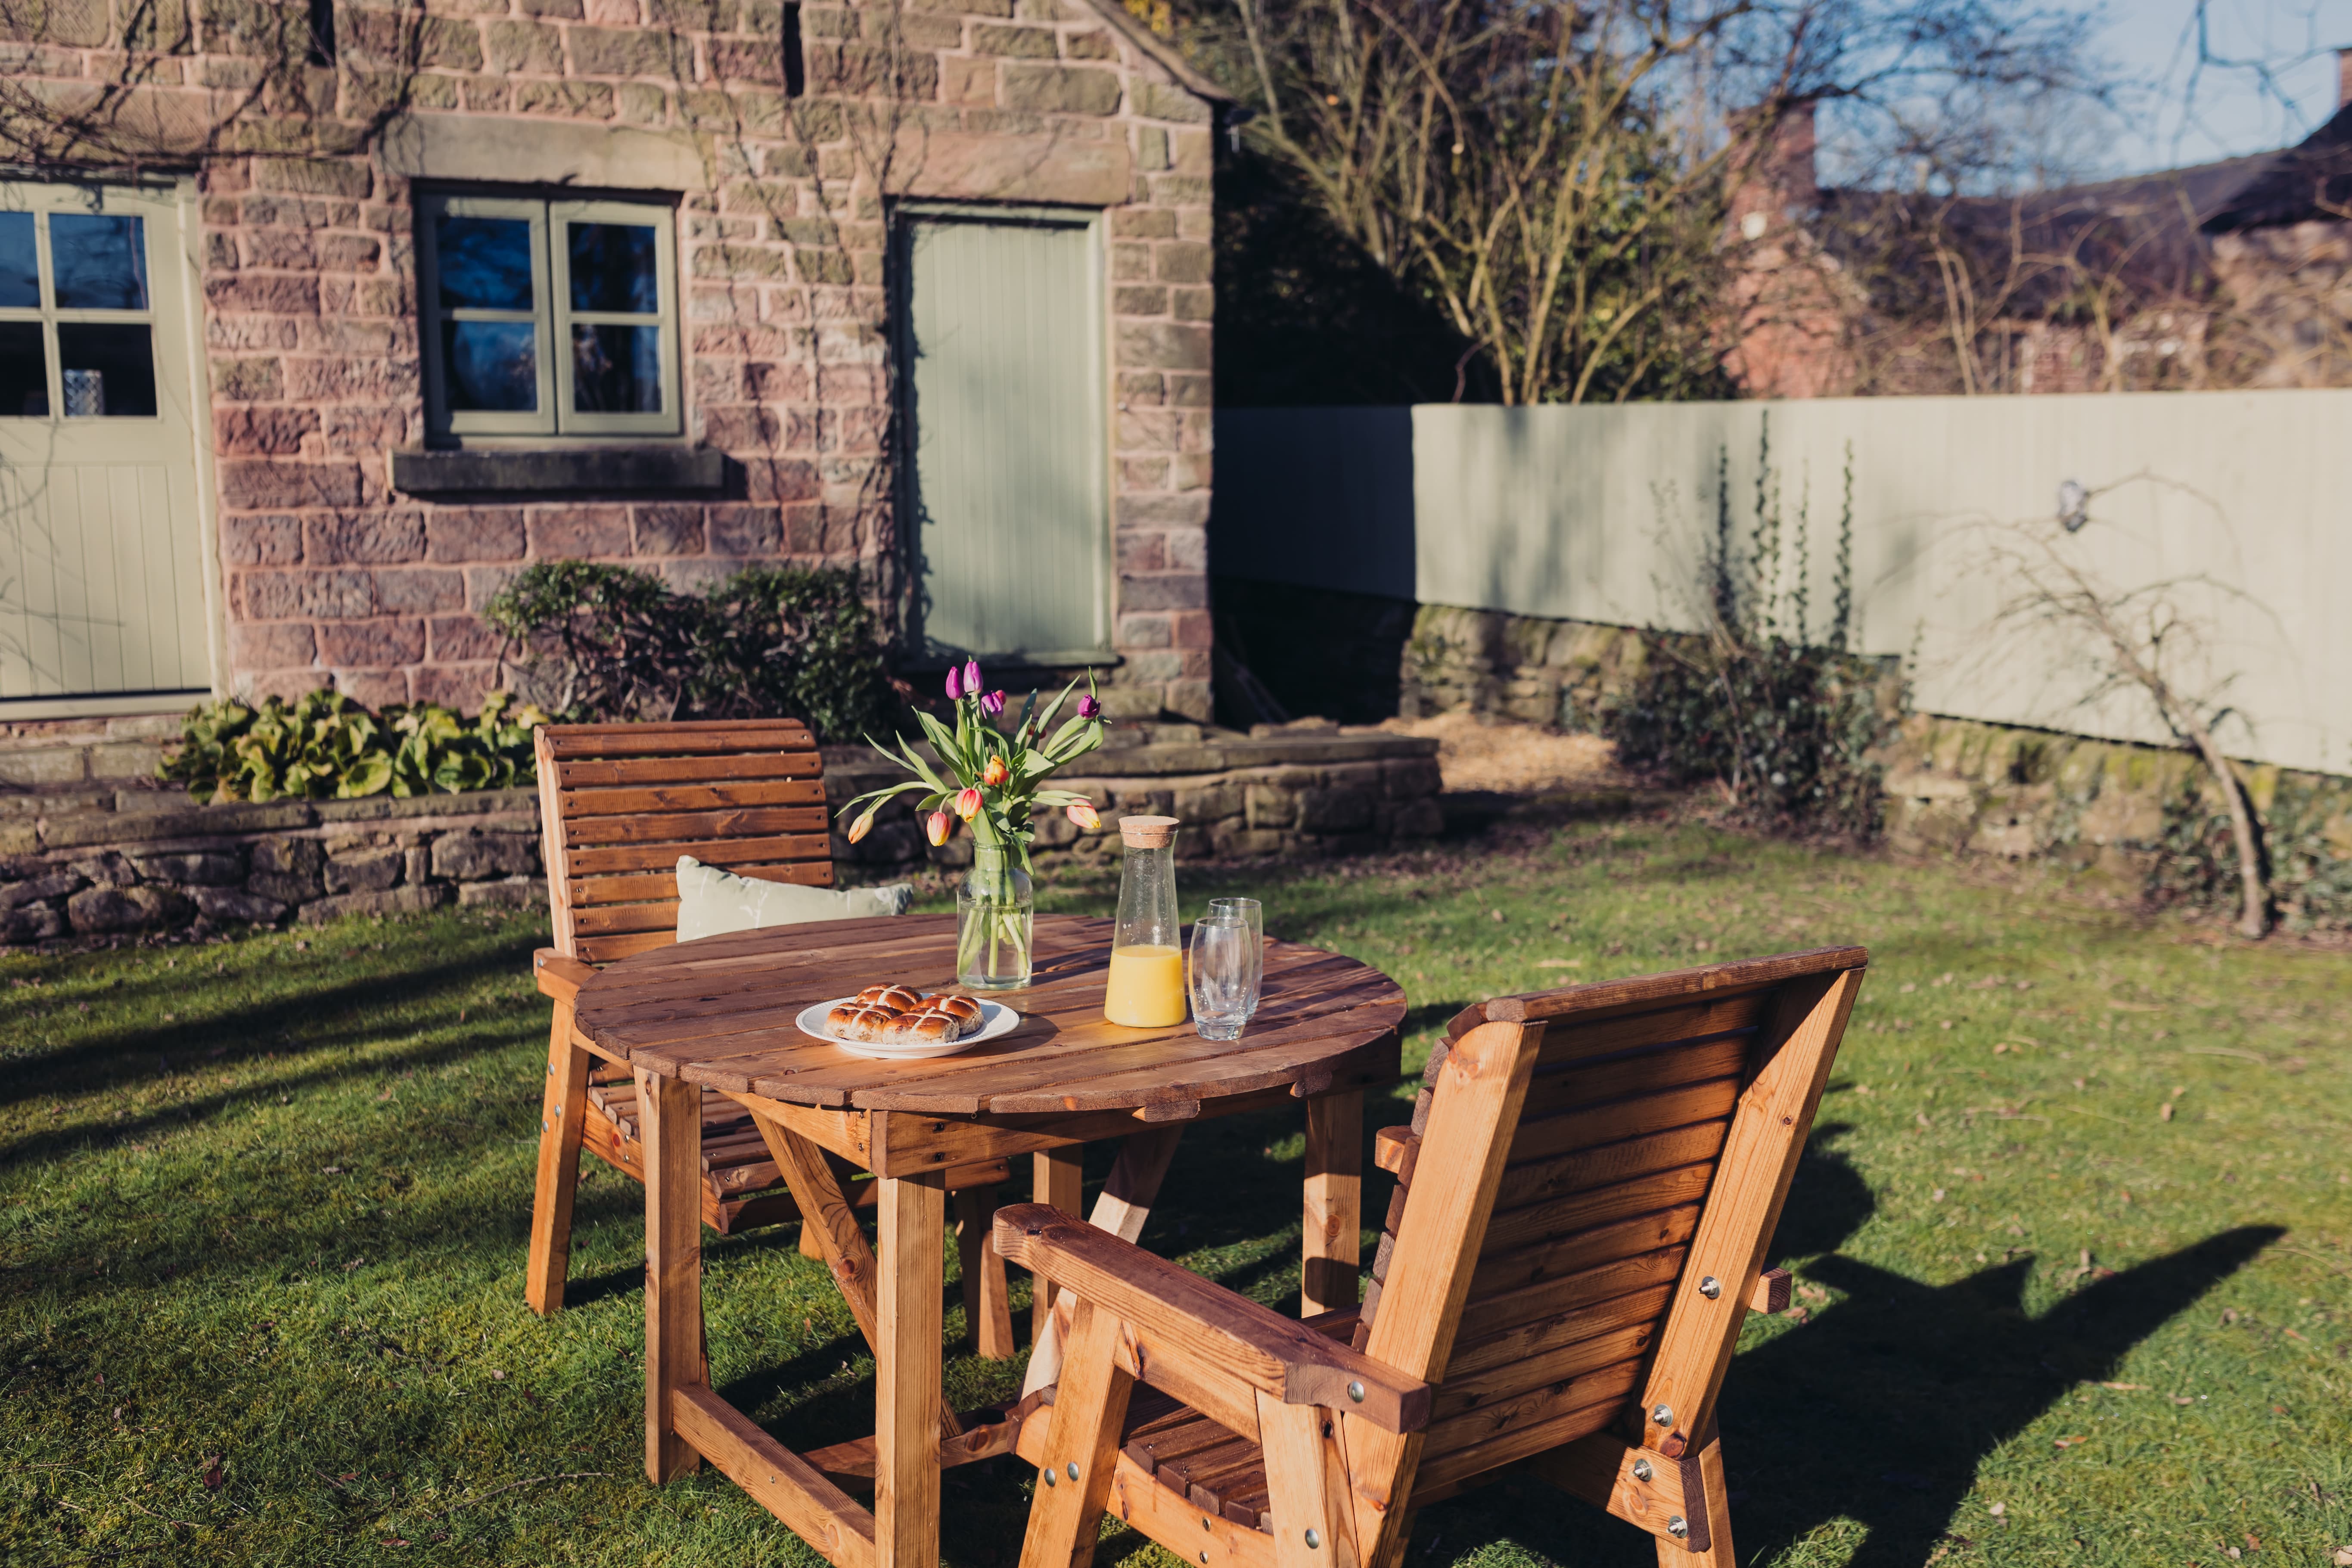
(720, 1013)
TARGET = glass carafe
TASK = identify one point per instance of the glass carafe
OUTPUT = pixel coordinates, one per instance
(1147, 951)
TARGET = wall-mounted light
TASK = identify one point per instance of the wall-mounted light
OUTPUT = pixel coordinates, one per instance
(2073, 505)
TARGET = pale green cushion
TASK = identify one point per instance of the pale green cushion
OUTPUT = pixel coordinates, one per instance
(712, 902)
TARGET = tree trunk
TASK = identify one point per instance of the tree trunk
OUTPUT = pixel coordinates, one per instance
(2254, 905)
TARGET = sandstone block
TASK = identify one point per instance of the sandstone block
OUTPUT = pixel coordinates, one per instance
(257, 484)
(466, 535)
(111, 869)
(1271, 806)
(207, 867)
(1233, 839)
(36, 889)
(1061, 89)
(363, 870)
(394, 901)
(1346, 808)
(1153, 101)
(516, 892)
(1405, 777)
(29, 924)
(372, 644)
(289, 871)
(94, 911)
(235, 904)
(1211, 803)
(477, 857)
(48, 765)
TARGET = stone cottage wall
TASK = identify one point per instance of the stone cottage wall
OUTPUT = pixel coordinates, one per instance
(308, 273)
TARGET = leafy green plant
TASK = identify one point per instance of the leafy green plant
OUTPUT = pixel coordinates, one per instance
(603, 643)
(1783, 724)
(2195, 860)
(325, 746)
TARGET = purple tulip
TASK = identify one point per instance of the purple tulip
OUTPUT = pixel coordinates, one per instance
(972, 676)
(955, 688)
(992, 704)
(1090, 709)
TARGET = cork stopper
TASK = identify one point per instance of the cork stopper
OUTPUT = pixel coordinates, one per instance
(1147, 832)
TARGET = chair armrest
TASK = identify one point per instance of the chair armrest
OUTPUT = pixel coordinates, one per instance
(1279, 1356)
(559, 976)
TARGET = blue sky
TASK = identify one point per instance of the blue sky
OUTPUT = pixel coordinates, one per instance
(2180, 115)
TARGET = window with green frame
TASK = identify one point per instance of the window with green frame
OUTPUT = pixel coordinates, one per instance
(548, 317)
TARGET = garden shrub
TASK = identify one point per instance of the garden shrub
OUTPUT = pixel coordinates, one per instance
(326, 746)
(601, 644)
(2194, 859)
(1784, 725)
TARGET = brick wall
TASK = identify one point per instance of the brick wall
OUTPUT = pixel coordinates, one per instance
(308, 264)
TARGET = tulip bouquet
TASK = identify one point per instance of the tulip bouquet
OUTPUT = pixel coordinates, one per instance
(993, 780)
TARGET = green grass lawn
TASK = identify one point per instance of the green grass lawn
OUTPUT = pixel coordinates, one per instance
(265, 1203)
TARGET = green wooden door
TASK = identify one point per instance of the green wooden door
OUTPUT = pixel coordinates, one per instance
(102, 564)
(1005, 391)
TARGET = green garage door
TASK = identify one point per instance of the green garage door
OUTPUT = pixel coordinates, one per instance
(1004, 392)
(101, 567)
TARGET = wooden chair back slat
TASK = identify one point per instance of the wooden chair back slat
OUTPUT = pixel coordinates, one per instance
(582, 804)
(1613, 1181)
(620, 803)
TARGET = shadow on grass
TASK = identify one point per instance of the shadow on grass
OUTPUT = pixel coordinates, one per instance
(1882, 1408)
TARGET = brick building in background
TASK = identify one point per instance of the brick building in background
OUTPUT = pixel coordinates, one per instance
(2226, 274)
(685, 284)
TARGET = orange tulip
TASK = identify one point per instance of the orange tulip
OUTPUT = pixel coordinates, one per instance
(995, 774)
(936, 827)
(861, 828)
(967, 804)
(1084, 815)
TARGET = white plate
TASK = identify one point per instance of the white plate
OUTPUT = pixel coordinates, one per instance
(995, 1019)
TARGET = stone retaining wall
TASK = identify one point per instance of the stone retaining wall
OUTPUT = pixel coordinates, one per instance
(1516, 667)
(156, 862)
(90, 863)
(1306, 789)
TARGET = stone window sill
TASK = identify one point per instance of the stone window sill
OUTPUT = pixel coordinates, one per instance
(496, 472)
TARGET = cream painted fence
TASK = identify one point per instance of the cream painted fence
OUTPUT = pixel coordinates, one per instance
(2243, 501)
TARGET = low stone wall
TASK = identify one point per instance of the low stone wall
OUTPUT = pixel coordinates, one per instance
(1305, 789)
(1956, 783)
(86, 861)
(83, 865)
(1516, 667)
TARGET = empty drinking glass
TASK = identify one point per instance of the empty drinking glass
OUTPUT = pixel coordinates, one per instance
(1226, 970)
(1253, 913)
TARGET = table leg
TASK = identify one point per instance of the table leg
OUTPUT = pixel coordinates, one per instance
(1125, 1202)
(670, 1121)
(1335, 1202)
(987, 1314)
(913, 1224)
(1057, 1180)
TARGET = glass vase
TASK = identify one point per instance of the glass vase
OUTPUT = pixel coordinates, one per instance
(994, 911)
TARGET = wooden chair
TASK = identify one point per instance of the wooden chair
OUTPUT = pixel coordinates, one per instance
(618, 805)
(1584, 1201)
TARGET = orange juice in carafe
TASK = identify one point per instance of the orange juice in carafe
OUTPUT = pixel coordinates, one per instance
(1146, 989)
(1146, 986)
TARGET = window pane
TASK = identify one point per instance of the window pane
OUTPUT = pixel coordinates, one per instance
(485, 262)
(20, 283)
(107, 370)
(617, 369)
(493, 366)
(613, 268)
(97, 263)
(24, 372)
